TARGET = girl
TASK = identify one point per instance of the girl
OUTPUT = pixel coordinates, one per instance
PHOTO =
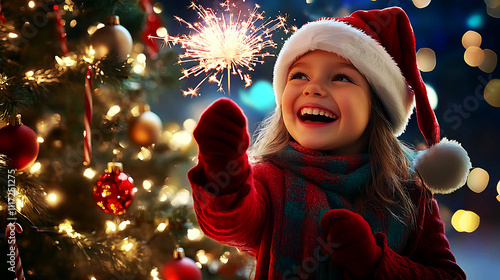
(332, 193)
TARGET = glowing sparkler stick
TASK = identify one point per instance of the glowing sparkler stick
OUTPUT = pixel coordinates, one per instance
(226, 42)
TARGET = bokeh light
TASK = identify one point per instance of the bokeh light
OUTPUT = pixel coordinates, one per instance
(474, 56)
(421, 3)
(432, 96)
(259, 96)
(471, 39)
(465, 221)
(489, 62)
(426, 59)
(492, 93)
(498, 187)
(493, 11)
(478, 179)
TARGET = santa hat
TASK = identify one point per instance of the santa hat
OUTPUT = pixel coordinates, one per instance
(381, 45)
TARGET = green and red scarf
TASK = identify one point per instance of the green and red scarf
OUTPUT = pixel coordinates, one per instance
(316, 182)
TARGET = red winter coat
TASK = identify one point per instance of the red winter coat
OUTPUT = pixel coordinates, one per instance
(248, 220)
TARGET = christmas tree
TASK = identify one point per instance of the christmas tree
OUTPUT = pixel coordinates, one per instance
(90, 175)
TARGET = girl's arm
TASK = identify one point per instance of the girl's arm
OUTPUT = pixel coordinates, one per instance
(230, 205)
(431, 257)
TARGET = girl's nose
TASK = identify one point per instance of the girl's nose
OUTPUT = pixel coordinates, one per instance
(314, 89)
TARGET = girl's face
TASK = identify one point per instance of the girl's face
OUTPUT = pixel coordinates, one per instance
(326, 103)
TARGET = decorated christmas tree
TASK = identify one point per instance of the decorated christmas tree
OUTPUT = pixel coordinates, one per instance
(93, 183)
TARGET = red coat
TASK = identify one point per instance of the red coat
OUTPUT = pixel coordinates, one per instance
(248, 219)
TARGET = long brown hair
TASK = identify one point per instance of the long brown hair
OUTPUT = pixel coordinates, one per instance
(389, 186)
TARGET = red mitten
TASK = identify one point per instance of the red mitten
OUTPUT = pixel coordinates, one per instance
(223, 140)
(357, 250)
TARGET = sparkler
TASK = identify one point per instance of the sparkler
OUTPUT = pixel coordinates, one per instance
(225, 43)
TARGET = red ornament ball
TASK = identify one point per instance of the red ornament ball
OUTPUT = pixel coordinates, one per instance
(115, 190)
(181, 268)
(19, 143)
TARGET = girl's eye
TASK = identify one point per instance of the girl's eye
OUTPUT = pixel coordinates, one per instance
(298, 76)
(342, 78)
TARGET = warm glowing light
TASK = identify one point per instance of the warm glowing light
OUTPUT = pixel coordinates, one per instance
(478, 179)
(67, 228)
(89, 173)
(181, 198)
(13, 35)
(136, 111)
(138, 69)
(426, 59)
(162, 32)
(110, 227)
(498, 187)
(52, 198)
(127, 246)
(147, 184)
(492, 92)
(100, 25)
(31, 4)
(309, 1)
(157, 8)
(123, 225)
(421, 3)
(144, 154)
(93, 278)
(154, 272)
(30, 73)
(465, 221)
(224, 43)
(141, 58)
(193, 234)
(35, 168)
(189, 125)
(180, 140)
(489, 62)
(202, 257)
(161, 227)
(113, 111)
(224, 258)
(72, 23)
(471, 39)
(474, 56)
(40, 139)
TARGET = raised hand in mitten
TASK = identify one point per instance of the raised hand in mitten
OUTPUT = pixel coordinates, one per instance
(223, 140)
(357, 250)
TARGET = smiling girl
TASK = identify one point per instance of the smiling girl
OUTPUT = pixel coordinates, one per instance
(331, 192)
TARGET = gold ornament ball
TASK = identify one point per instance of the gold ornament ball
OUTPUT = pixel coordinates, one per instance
(145, 129)
(112, 38)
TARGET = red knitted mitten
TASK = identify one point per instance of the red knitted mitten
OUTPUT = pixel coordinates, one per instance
(357, 252)
(222, 137)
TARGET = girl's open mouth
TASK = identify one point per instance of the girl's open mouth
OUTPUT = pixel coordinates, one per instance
(316, 115)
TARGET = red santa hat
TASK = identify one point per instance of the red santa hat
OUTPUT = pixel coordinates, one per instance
(381, 45)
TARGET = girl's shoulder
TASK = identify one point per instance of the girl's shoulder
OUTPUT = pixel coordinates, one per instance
(420, 194)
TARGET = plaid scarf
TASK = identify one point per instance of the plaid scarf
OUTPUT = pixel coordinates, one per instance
(315, 183)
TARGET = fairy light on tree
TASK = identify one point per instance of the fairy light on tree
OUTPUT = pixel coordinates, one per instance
(224, 43)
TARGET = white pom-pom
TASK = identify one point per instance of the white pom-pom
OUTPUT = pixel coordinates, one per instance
(444, 167)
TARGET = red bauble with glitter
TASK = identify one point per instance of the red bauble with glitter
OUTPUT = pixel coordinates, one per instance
(115, 190)
(181, 267)
(19, 143)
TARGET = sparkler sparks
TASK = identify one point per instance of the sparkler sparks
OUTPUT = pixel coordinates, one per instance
(225, 43)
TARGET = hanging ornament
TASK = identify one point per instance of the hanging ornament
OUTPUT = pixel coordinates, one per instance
(112, 38)
(145, 129)
(2, 17)
(13, 258)
(115, 190)
(153, 22)
(181, 267)
(60, 30)
(19, 143)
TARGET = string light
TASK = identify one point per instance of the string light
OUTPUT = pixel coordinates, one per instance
(147, 184)
(182, 197)
(110, 227)
(123, 225)
(162, 226)
(194, 234)
(113, 111)
(89, 173)
(52, 198)
(35, 168)
(202, 257)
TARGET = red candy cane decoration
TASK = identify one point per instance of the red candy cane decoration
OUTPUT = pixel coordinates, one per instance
(87, 134)
(60, 30)
(10, 234)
